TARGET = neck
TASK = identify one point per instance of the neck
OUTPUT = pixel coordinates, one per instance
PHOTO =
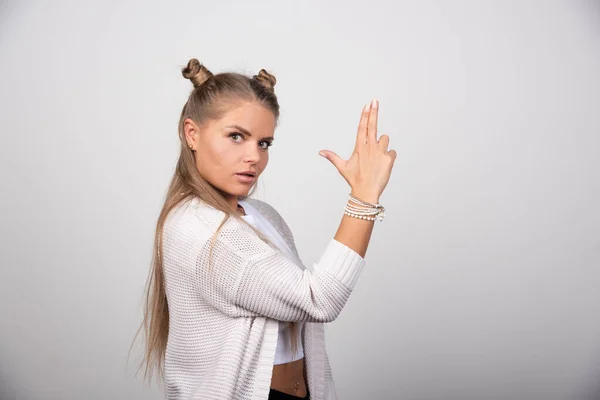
(233, 202)
(241, 210)
(238, 207)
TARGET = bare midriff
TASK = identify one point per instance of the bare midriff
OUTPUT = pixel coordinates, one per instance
(290, 378)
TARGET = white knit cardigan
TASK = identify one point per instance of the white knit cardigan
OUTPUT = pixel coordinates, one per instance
(223, 324)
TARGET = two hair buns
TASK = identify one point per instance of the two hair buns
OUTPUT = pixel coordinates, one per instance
(198, 74)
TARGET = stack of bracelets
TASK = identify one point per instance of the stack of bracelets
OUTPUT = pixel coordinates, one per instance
(363, 210)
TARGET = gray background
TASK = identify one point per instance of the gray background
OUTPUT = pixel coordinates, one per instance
(483, 282)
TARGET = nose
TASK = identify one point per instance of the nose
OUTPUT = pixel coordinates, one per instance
(252, 153)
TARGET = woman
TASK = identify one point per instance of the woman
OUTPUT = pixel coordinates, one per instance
(231, 311)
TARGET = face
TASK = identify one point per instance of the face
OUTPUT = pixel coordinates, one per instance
(228, 148)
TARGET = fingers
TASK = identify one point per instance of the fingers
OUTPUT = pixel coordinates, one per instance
(384, 141)
(372, 124)
(334, 158)
(361, 134)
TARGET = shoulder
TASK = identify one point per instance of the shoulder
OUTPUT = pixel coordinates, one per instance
(192, 226)
(196, 218)
(189, 209)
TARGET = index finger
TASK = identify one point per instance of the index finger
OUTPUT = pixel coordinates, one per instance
(372, 125)
(361, 134)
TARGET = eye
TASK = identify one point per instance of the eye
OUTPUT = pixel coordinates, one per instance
(235, 134)
(266, 144)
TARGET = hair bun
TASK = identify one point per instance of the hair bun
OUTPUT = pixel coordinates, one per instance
(266, 79)
(196, 72)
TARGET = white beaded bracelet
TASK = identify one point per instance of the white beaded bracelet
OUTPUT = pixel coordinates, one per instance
(363, 203)
(364, 210)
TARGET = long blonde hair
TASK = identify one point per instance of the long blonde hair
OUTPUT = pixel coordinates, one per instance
(209, 99)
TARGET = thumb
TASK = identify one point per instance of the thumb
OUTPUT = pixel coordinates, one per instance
(331, 156)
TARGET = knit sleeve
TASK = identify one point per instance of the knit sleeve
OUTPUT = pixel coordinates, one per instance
(247, 277)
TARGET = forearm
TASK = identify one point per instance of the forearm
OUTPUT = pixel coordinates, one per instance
(356, 233)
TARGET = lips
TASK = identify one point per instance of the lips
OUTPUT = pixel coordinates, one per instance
(247, 173)
(245, 177)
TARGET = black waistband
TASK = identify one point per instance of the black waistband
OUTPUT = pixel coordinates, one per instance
(277, 395)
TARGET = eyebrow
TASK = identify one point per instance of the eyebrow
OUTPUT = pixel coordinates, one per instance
(246, 132)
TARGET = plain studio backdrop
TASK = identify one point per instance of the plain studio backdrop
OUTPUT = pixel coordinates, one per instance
(483, 281)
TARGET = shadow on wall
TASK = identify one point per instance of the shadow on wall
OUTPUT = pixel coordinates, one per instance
(592, 389)
(594, 393)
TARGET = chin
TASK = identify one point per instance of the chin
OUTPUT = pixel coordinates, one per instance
(239, 192)
(237, 189)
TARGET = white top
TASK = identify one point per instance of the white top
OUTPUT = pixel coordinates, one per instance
(283, 353)
(223, 316)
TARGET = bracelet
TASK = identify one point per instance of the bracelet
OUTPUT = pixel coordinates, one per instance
(357, 201)
(363, 210)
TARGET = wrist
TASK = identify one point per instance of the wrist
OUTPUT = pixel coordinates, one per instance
(365, 196)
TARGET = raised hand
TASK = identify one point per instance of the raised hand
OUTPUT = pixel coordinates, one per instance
(368, 169)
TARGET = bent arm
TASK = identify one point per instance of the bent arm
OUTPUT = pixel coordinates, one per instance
(250, 278)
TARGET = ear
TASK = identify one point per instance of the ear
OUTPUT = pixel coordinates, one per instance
(191, 131)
